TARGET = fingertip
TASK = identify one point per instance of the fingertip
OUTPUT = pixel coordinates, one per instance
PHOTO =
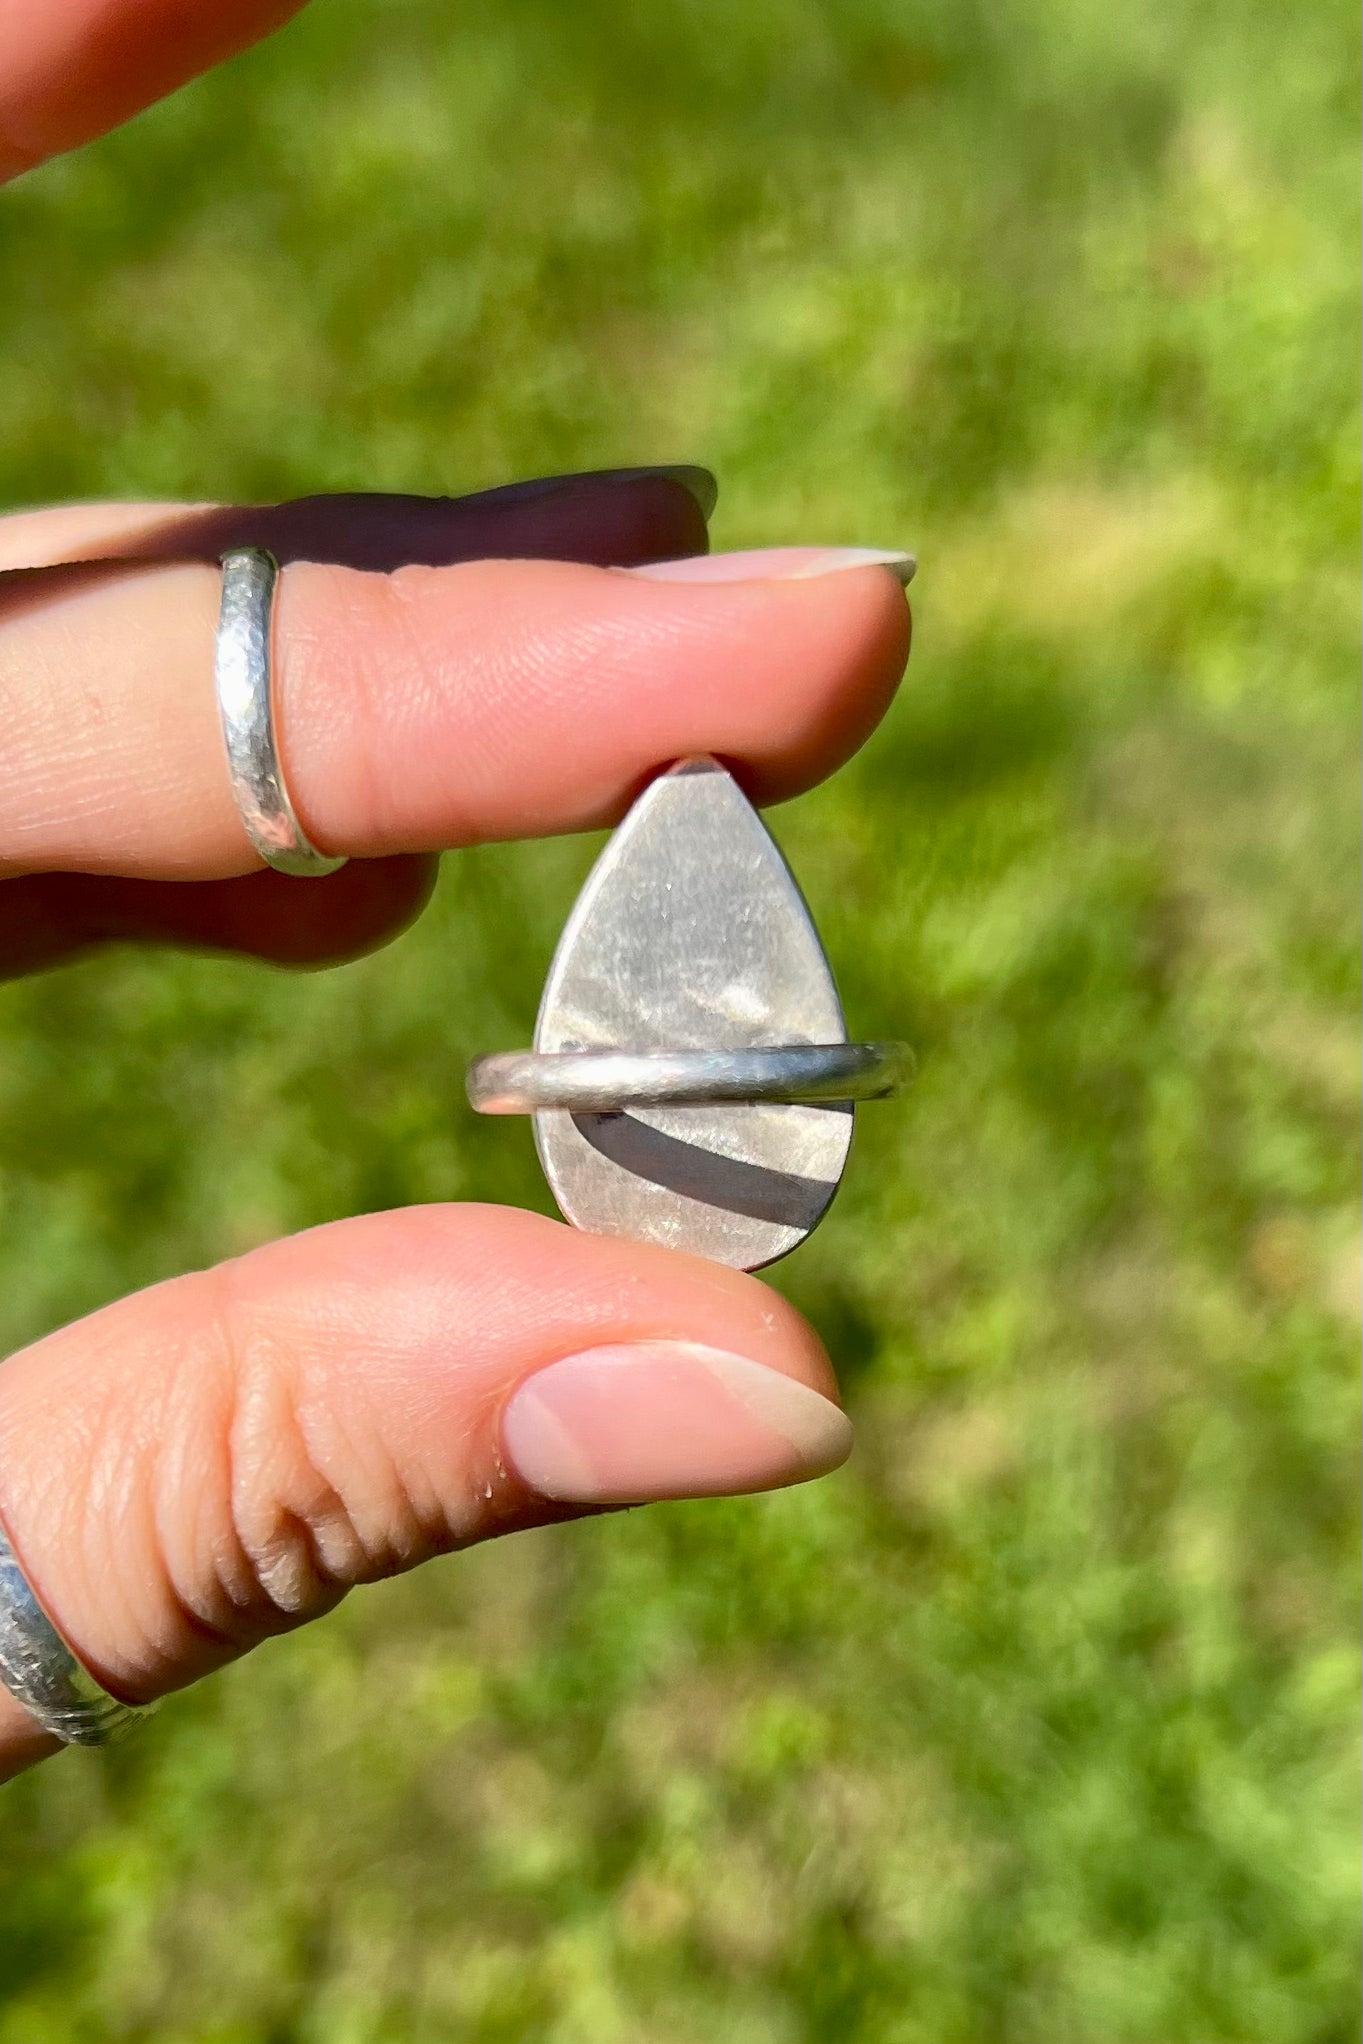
(857, 629)
(822, 660)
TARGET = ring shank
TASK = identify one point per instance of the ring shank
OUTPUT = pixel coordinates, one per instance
(243, 677)
(608, 1081)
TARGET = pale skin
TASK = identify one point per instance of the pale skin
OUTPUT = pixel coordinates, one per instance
(221, 1458)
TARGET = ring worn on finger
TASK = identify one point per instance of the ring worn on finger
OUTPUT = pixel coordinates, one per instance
(243, 677)
(42, 1673)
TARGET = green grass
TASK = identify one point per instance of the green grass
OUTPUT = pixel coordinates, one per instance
(1034, 1726)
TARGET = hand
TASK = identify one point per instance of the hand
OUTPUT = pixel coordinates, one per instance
(222, 1457)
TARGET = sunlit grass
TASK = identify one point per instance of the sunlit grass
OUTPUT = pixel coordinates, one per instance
(1034, 1724)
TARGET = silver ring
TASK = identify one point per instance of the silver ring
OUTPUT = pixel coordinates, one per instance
(243, 676)
(40, 1670)
(606, 1081)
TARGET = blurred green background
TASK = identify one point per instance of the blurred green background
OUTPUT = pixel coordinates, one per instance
(1035, 1723)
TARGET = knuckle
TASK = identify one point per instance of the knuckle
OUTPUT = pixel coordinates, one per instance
(312, 1505)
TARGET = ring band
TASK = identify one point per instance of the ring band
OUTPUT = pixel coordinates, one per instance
(40, 1670)
(606, 1081)
(243, 677)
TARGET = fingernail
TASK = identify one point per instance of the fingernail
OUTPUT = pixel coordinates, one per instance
(778, 564)
(698, 481)
(632, 1424)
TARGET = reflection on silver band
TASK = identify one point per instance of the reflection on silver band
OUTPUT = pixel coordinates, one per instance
(38, 1668)
(243, 677)
(607, 1081)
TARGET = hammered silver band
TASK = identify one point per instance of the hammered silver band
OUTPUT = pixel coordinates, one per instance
(607, 1081)
(243, 677)
(40, 1670)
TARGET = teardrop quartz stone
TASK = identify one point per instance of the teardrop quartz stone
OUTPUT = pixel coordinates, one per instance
(691, 934)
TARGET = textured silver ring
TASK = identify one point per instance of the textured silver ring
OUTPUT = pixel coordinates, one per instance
(608, 1081)
(40, 1670)
(244, 679)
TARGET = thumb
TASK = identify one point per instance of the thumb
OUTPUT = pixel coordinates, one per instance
(223, 1457)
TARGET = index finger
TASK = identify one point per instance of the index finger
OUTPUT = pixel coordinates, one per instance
(429, 708)
(75, 68)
